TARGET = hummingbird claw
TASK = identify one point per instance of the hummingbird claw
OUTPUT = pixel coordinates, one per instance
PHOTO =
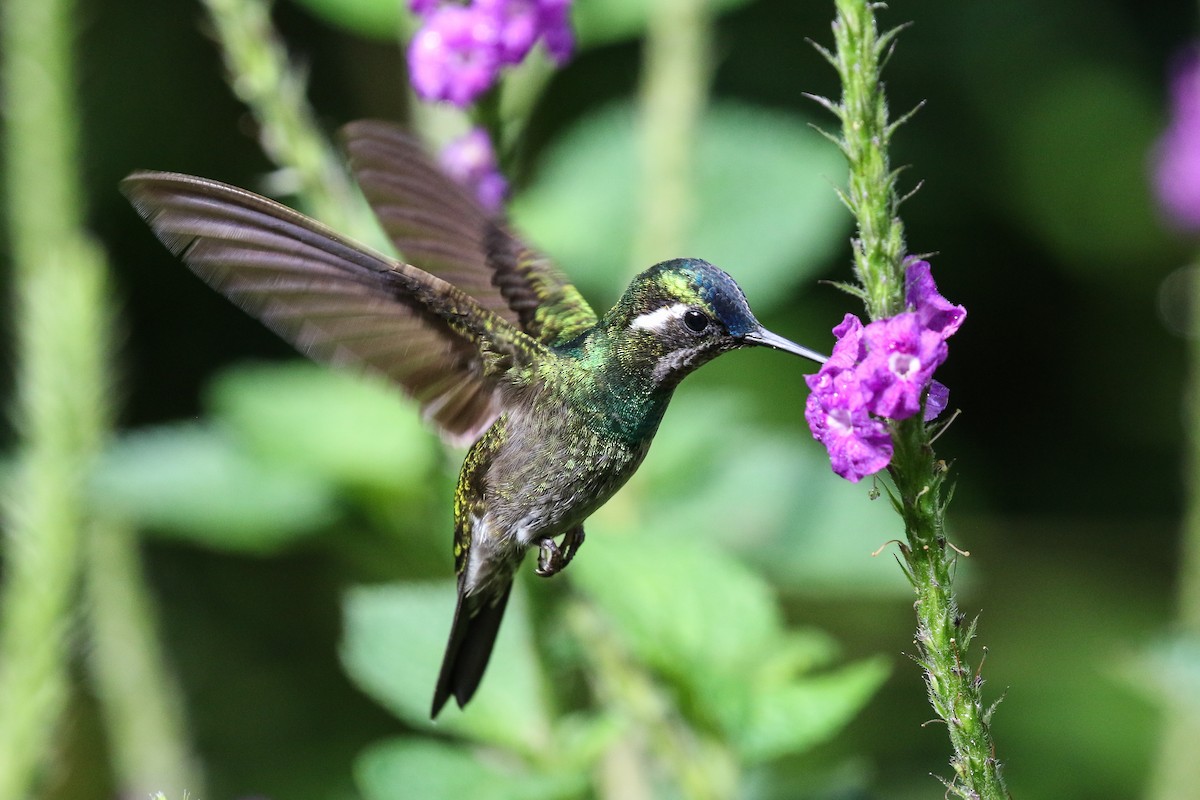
(554, 558)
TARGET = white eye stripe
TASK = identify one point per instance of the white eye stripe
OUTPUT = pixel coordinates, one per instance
(657, 319)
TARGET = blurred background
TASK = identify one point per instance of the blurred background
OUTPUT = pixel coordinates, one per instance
(276, 501)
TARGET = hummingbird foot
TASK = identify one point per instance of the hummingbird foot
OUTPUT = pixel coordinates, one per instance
(553, 557)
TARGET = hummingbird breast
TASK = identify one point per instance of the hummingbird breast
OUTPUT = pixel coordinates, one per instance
(551, 460)
(557, 466)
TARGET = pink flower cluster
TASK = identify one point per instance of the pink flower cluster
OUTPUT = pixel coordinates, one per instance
(1177, 155)
(883, 370)
(471, 161)
(460, 48)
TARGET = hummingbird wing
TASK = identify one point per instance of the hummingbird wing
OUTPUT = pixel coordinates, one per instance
(436, 224)
(338, 301)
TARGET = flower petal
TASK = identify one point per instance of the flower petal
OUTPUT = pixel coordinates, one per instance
(921, 294)
(1177, 154)
(471, 160)
(858, 444)
(936, 401)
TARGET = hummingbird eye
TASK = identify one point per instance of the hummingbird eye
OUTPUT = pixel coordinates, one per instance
(695, 321)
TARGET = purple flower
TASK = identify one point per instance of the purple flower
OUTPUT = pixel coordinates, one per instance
(1177, 154)
(523, 22)
(921, 294)
(936, 314)
(849, 349)
(423, 8)
(471, 161)
(882, 371)
(454, 56)
(901, 358)
(936, 401)
(555, 23)
(858, 444)
(518, 20)
(460, 48)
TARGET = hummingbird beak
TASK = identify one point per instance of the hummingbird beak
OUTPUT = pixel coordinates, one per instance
(764, 337)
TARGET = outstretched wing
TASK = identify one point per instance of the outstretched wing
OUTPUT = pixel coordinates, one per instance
(437, 225)
(338, 301)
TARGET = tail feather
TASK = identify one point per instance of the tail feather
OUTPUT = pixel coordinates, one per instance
(472, 636)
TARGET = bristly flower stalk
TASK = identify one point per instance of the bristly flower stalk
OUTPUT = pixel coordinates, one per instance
(871, 195)
(263, 77)
(920, 495)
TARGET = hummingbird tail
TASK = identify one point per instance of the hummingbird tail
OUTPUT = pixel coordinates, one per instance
(472, 635)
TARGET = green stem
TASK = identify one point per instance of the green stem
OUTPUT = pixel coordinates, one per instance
(702, 769)
(943, 633)
(63, 336)
(140, 702)
(1177, 773)
(522, 89)
(487, 116)
(674, 88)
(673, 93)
(954, 686)
(871, 194)
(275, 91)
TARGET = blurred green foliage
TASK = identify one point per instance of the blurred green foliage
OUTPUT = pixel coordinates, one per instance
(200, 485)
(739, 146)
(298, 514)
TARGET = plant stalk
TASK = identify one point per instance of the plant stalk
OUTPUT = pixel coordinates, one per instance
(871, 193)
(275, 91)
(61, 409)
(701, 769)
(943, 636)
(673, 95)
(139, 699)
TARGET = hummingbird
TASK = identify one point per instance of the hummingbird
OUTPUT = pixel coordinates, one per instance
(557, 405)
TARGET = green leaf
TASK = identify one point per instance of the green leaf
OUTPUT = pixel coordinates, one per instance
(834, 528)
(712, 628)
(1168, 670)
(766, 494)
(800, 714)
(404, 769)
(195, 483)
(386, 20)
(765, 210)
(347, 429)
(393, 643)
(692, 612)
(766, 205)
(604, 21)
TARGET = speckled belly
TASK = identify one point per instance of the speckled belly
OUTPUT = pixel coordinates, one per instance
(553, 472)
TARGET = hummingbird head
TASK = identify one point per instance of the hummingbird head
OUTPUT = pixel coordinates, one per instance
(685, 312)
